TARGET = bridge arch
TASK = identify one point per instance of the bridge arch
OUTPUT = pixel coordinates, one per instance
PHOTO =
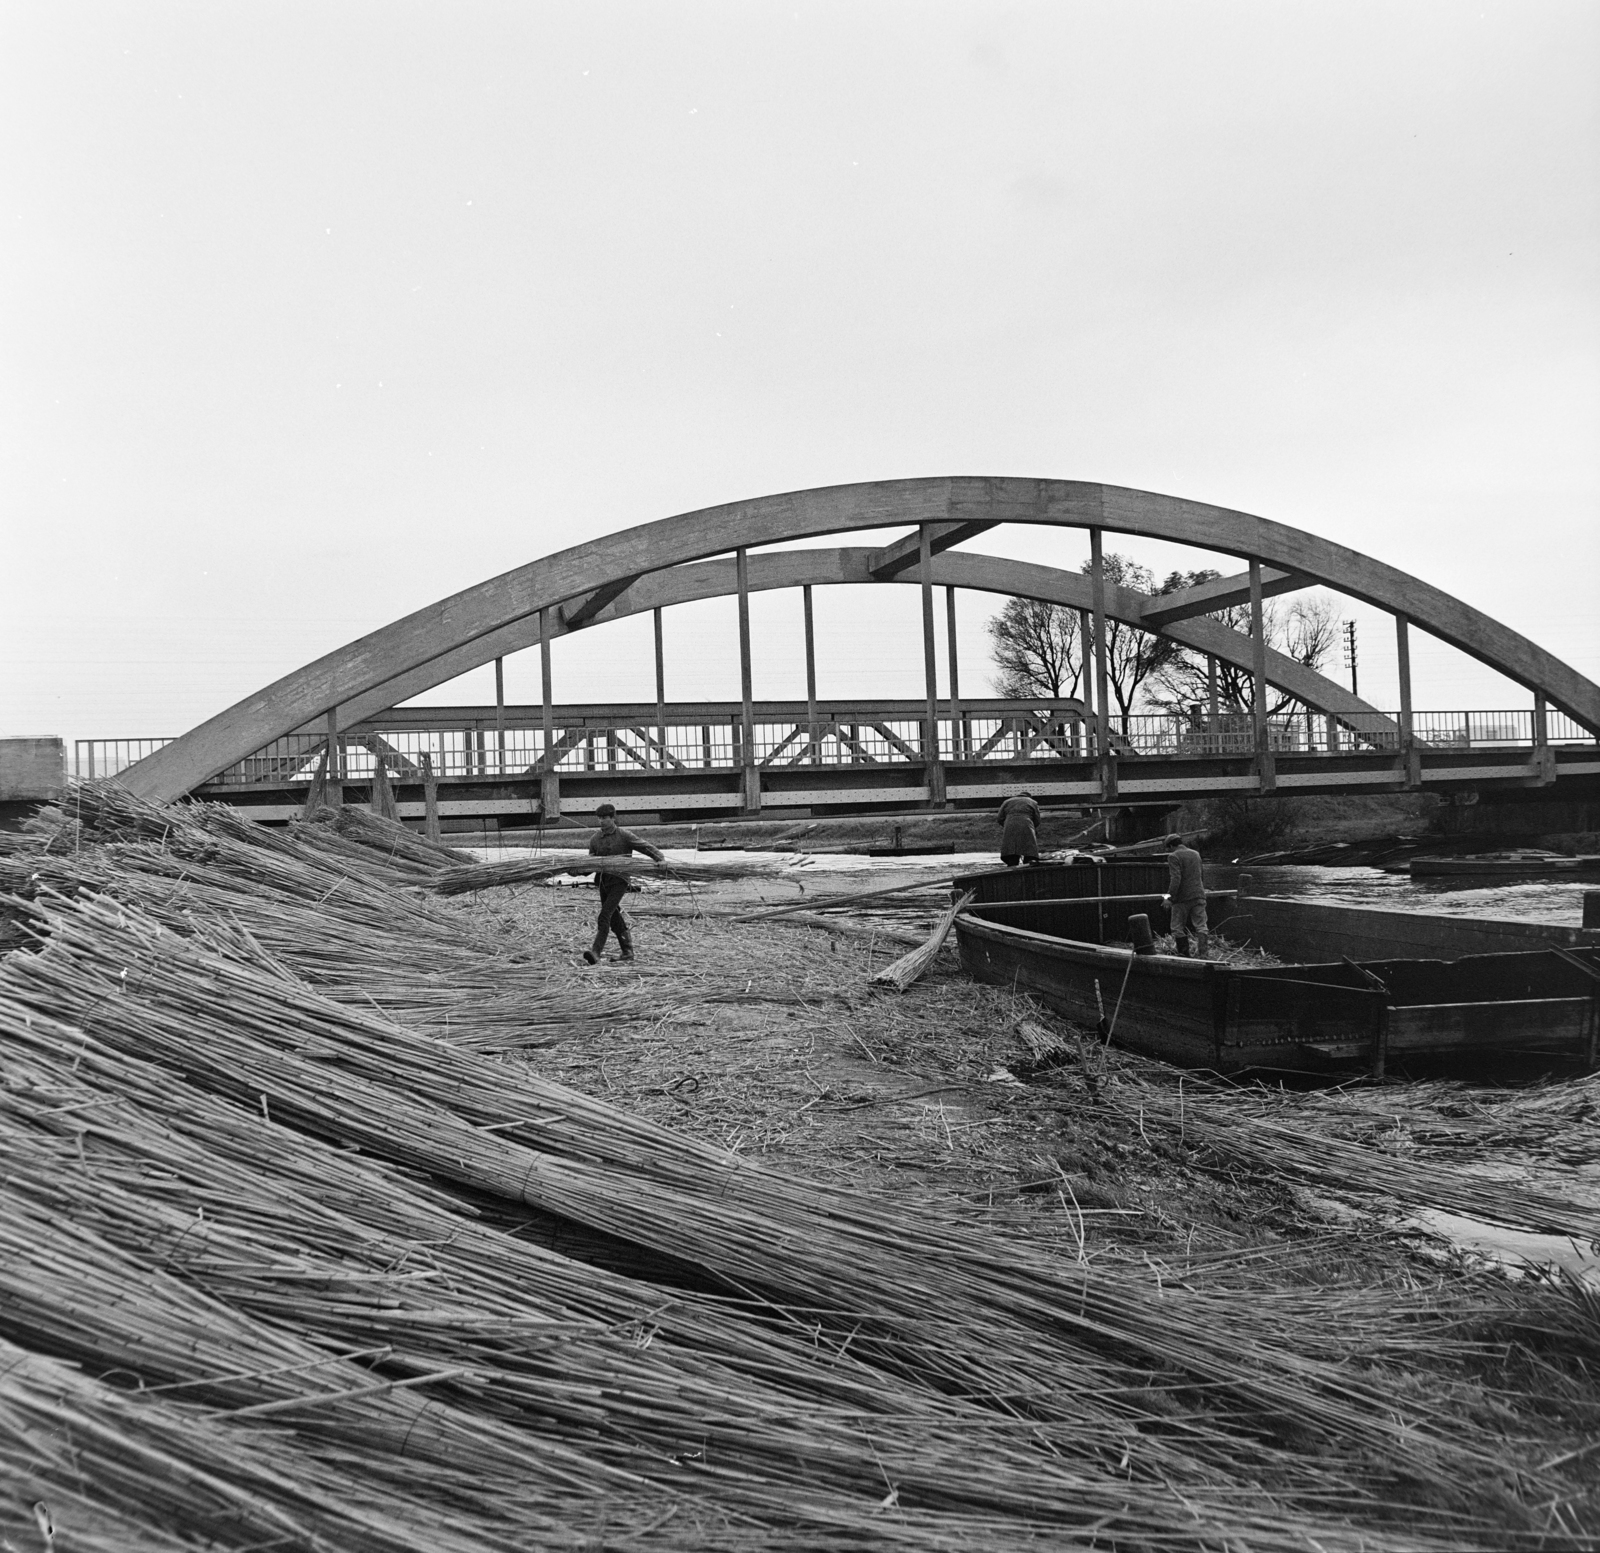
(773, 570)
(596, 573)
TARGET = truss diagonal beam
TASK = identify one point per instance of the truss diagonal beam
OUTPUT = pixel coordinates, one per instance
(577, 615)
(1207, 598)
(889, 562)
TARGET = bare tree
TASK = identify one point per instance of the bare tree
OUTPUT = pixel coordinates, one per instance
(1132, 655)
(1038, 650)
(1307, 631)
(1035, 647)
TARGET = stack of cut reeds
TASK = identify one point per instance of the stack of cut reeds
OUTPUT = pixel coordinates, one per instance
(288, 1242)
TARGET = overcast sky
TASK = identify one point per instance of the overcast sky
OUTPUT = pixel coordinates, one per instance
(315, 313)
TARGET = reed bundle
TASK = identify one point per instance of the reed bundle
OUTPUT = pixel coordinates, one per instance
(901, 973)
(331, 911)
(393, 840)
(537, 870)
(233, 1174)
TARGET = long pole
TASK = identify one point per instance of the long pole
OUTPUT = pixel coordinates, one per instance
(1402, 646)
(811, 676)
(500, 712)
(1258, 661)
(930, 669)
(549, 782)
(1086, 654)
(1102, 674)
(335, 753)
(747, 720)
(1266, 766)
(661, 690)
(958, 726)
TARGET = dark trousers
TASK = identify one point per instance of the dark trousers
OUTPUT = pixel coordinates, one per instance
(611, 918)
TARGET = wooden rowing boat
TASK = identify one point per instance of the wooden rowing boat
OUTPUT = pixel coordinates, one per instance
(1060, 932)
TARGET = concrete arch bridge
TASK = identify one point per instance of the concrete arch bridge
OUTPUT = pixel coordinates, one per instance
(520, 765)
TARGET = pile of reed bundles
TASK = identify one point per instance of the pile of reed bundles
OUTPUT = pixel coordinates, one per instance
(266, 1280)
(1367, 1147)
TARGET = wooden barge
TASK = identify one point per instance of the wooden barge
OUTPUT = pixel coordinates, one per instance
(1060, 932)
(1524, 863)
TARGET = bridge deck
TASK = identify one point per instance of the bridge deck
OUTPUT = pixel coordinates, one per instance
(686, 761)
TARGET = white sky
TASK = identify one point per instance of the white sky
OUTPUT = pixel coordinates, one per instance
(314, 313)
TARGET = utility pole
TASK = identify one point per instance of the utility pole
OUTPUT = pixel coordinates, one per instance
(1350, 655)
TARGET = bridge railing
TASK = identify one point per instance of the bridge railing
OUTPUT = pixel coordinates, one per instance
(106, 757)
(706, 738)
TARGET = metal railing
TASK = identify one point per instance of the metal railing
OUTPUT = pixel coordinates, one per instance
(106, 757)
(1000, 733)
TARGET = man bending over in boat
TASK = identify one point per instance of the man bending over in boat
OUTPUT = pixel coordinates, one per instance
(613, 841)
(1019, 834)
(1186, 894)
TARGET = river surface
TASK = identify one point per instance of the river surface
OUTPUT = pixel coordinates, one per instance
(1533, 900)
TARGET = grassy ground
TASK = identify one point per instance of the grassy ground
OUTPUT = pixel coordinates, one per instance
(769, 1040)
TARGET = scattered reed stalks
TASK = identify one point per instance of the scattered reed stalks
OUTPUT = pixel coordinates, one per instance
(330, 1279)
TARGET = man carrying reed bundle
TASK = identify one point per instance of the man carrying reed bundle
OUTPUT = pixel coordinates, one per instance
(611, 840)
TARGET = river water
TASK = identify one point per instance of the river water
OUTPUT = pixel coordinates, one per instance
(1533, 900)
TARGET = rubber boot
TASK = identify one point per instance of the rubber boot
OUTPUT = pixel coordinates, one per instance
(624, 943)
(1182, 946)
(596, 949)
(1203, 942)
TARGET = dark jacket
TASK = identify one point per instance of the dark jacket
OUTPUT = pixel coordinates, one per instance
(1018, 818)
(1184, 880)
(620, 843)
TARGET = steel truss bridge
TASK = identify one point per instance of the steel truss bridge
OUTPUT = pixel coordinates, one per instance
(521, 765)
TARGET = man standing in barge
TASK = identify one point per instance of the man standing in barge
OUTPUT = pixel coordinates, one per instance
(611, 840)
(1187, 895)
